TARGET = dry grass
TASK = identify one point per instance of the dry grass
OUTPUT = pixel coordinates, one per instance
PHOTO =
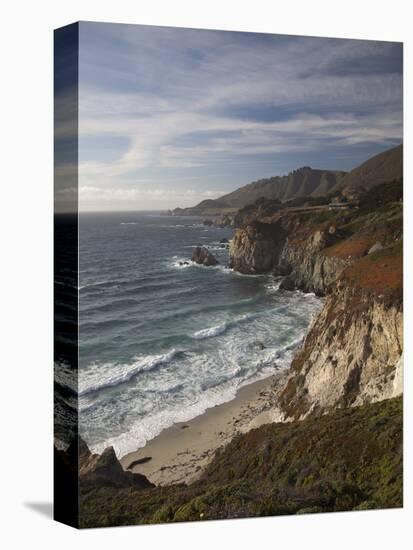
(355, 247)
(380, 272)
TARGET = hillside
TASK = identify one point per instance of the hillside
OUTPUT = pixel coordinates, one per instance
(384, 167)
(306, 183)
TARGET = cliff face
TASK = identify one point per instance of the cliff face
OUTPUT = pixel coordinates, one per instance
(256, 248)
(303, 258)
(286, 248)
(352, 354)
(314, 247)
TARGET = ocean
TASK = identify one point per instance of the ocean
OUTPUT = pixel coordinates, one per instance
(160, 340)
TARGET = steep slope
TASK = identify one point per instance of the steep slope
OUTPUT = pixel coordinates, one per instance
(384, 167)
(352, 354)
(353, 351)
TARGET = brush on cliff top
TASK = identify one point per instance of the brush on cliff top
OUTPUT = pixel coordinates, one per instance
(349, 460)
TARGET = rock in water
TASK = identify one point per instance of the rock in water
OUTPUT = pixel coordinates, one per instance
(287, 284)
(201, 255)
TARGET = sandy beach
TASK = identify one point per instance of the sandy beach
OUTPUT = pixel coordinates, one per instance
(180, 453)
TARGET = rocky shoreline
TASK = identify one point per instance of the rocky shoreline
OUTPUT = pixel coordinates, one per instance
(334, 416)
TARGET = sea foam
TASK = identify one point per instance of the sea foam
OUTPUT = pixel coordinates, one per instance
(98, 377)
(210, 332)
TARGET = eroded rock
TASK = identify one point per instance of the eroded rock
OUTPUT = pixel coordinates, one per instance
(201, 255)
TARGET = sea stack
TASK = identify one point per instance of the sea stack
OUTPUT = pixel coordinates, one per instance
(201, 255)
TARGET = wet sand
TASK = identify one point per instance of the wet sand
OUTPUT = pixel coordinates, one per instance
(181, 453)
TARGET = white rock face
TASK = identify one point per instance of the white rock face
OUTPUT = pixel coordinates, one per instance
(398, 378)
(351, 356)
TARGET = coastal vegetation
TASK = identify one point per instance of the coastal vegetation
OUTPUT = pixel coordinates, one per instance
(348, 460)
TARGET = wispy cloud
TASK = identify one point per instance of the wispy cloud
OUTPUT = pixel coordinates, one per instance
(197, 110)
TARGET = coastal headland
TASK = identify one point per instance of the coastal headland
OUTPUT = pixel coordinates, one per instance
(326, 435)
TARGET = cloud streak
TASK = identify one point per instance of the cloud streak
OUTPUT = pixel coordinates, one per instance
(206, 110)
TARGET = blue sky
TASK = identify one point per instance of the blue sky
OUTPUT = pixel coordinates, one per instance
(169, 117)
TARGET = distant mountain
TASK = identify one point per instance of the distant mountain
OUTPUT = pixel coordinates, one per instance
(206, 207)
(381, 168)
(305, 182)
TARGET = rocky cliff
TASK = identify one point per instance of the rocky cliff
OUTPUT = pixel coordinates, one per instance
(256, 247)
(303, 258)
(288, 247)
(352, 354)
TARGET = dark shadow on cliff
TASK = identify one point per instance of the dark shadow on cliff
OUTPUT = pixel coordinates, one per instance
(45, 509)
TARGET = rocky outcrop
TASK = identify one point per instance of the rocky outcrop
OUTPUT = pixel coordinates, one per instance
(352, 353)
(286, 248)
(201, 255)
(106, 470)
(303, 258)
(398, 379)
(256, 248)
(224, 220)
(315, 274)
(314, 247)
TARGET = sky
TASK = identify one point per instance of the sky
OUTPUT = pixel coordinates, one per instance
(169, 116)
